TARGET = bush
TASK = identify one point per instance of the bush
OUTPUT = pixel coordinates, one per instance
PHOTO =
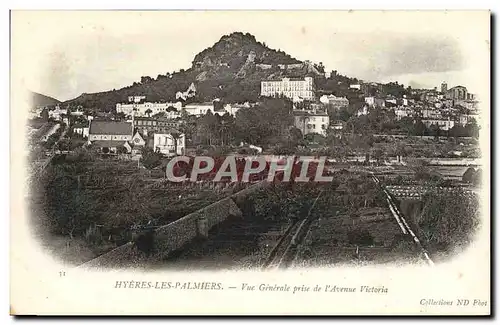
(449, 218)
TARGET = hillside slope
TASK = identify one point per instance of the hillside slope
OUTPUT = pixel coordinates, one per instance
(231, 69)
(42, 100)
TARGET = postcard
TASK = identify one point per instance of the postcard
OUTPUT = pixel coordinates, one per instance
(250, 163)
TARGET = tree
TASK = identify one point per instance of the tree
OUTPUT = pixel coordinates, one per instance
(159, 114)
(175, 136)
(150, 159)
(419, 127)
(378, 154)
(296, 136)
(64, 144)
(435, 130)
(469, 175)
(44, 115)
(448, 219)
(148, 112)
(171, 109)
(121, 150)
(472, 129)
(206, 127)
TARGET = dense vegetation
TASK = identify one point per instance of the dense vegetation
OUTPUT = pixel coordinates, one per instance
(82, 192)
(449, 220)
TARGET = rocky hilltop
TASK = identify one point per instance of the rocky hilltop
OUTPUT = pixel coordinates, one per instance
(231, 69)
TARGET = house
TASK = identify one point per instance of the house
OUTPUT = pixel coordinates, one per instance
(233, 108)
(311, 122)
(165, 143)
(337, 125)
(401, 112)
(110, 135)
(363, 111)
(443, 124)
(391, 101)
(138, 143)
(336, 102)
(370, 101)
(189, 93)
(431, 114)
(57, 113)
(464, 119)
(81, 129)
(136, 99)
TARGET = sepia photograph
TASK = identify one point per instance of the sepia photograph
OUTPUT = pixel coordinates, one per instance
(255, 147)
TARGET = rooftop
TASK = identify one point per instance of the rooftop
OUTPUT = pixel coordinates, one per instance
(110, 127)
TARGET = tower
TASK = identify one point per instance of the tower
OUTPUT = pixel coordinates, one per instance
(444, 87)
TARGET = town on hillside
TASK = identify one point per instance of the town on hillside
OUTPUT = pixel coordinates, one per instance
(405, 167)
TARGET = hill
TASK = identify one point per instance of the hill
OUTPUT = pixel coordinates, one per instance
(231, 70)
(42, 100)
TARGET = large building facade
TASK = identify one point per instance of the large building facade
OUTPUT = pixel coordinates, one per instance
(165, 143)
(147, 125)
(311, 122)
(109, 136)
(143, 109)
(457, 93)
(289, 87)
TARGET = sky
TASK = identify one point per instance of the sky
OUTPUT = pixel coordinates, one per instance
(64, 54)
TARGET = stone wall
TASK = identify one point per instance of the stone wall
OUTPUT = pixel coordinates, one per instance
(179, 233)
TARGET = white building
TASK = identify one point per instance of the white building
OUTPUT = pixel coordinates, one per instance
(81, 129)
(57, 112)
(165, 143)
(152, 108)
(337, 125)
(355, 86)
(467, 118)
(312, 122)
(199, 109)
(76, 113)
(190, 92)
(136, 99)
(363, 111)
(432, 114)
(337, 102)
(401, 112)
(292, 88)
(110, 130)
(443, 124)
(370, 101)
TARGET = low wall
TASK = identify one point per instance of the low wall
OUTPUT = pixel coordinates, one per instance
(177, 234)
